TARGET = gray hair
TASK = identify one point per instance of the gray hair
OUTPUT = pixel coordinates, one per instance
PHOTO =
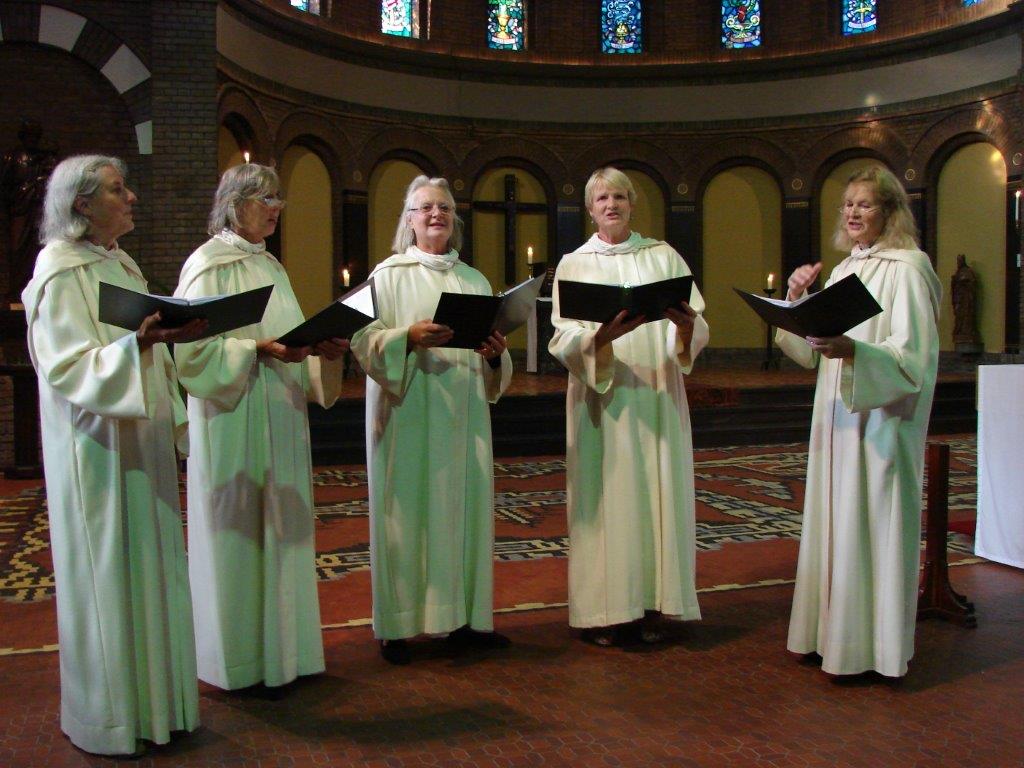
(899, 231)
(240, 183)
(612, 178)
(74, 177)
(404, 235)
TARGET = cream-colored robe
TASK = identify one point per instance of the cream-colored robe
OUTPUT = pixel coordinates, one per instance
(429, 460)
(109, 419)
(629, 454)
(250, 487)
(855, 601)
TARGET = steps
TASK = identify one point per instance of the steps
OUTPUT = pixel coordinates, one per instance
(535, 425)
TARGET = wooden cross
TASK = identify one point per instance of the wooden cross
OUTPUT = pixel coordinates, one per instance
(511, 208)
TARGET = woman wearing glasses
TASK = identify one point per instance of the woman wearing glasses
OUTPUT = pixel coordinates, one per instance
(250, 494)
(428, 438)
(855, 602)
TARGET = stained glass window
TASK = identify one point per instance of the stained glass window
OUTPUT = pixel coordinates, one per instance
(859, 16)
(741, 23)
(505, 26)
(400, 17)
(621, 30)
(971, 2)
(309, 6)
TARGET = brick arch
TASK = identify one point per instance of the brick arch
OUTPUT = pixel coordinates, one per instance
(705, 162)
(317, 133)
(549, 170)
(239, 113)
(874, 140)
(122, 66)
(966, 126)
(404, 143)
(634, 154)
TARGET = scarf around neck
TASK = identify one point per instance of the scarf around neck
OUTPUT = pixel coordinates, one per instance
(440, 262)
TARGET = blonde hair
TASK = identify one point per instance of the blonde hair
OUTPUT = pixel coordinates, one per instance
(612, 178)
(240, 183)
(404, 234)
(899, 230)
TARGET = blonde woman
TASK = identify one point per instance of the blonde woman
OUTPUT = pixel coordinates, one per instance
(855, 602)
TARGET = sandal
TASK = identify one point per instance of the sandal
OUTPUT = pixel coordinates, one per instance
(603, 637)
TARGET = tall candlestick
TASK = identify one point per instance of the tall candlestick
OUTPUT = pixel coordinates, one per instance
(529, 254)
(1016, 207)
(345, 277)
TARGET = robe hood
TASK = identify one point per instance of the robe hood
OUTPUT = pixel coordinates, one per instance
(634, 242)
(223, 248)
(918, 260)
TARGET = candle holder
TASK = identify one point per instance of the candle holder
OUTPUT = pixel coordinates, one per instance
(770, 359)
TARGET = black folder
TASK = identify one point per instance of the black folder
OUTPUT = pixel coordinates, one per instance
(830, 312)
(339, 319)
(473, 317)
(600, 303)
(126, 308)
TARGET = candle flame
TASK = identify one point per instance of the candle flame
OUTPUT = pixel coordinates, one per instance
(245, 155)
(771, 277)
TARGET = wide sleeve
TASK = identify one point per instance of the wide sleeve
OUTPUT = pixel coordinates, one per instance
(382, 353)
(496, 380)
(178, 411)
(883, 372)
(686, 353)
(322, 379)
(573, 344)
(108, 379)
(796, 349)
(216, 368)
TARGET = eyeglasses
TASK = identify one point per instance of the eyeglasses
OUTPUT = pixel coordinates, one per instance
(859, 207)
(271, 201)
(427, 208)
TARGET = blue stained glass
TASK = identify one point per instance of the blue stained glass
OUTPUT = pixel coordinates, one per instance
(621, 30)
(741, 23)
(971, 2)
(859, 16)
(505, 26)
(400, 17)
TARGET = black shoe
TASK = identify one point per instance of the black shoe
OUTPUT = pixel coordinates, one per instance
(395, 651)
(467, 637)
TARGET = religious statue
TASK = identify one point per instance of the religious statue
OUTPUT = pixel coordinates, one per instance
(23, 175)
(962, 290)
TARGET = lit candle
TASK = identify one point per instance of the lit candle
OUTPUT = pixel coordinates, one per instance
(245, 155)
(345, 277)
(1016, 208)
(529, 249)
(771, 279)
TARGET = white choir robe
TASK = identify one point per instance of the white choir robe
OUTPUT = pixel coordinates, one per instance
(250, 486)
(429, 459)
(855, 601)
(110, 415)
(629, 453)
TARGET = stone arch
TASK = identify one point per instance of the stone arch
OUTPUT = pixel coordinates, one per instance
(948, 134)
(407, 143)
(516, 151)
(706, 162)
(873, 140)
(239, 113)
(635, 154)
(118, 62)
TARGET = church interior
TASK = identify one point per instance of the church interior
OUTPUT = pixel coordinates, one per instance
(738, 123)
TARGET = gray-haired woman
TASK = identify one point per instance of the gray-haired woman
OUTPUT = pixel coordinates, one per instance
(250, 490)
(110, 411)
(428, 438)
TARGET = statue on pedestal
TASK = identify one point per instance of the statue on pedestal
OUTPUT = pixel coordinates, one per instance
(24, 171)
(963, 288)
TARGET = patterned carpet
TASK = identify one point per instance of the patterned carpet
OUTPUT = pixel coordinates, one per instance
(749, 502)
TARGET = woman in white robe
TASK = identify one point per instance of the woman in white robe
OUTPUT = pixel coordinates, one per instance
(428, 439)
(250, 487)
(855, 602)
(110, 412)
(629, 454)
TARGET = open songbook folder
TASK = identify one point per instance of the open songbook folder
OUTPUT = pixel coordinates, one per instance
(600, 303)
(338, 320)
(473, 317)
(830, 312)
(126, 308)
